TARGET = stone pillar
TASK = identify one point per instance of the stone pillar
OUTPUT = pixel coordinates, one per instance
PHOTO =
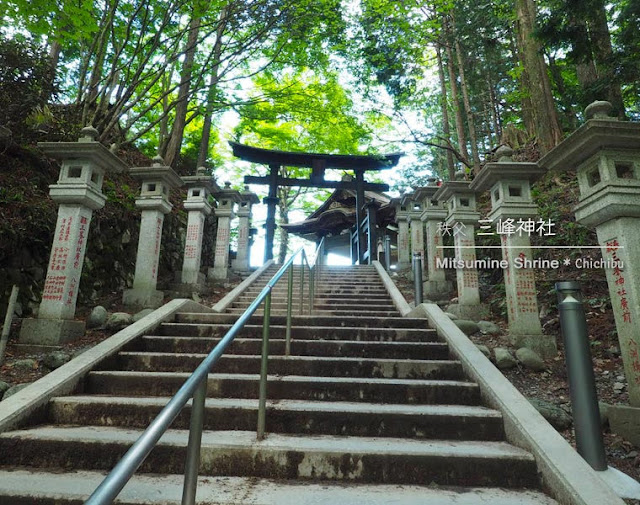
(461, 220)
(436, 287)
(197, 205)
(510, 188)
(247, 200)
(78, 193)
(606, 154)
(416, 228)
(156, 183)
(403, 243)
(224, 212)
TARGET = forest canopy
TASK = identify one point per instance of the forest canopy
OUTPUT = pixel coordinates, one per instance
(447, 81)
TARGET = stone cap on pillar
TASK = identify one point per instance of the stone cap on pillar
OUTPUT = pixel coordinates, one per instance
(226, 199)
(156, 182)
(510, 185)
(247, 200)
(600, 131)
(402, 211)
(87, 148)
(413, 205)
(199, 187)
(432, 208)
(460, 200)
(201, 181)
(84, 164)
(606, 154)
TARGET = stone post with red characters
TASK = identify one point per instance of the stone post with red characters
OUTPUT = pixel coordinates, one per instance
(515, 217)
(247, 200)
(461, 220)
(226, 198)
(197, 204)
(78, 193)
(605, 153)
(156, 183)
(436, 287)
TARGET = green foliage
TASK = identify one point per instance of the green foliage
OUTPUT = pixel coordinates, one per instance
(25, 86)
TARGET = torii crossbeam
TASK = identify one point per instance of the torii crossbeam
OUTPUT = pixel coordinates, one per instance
(318, 163)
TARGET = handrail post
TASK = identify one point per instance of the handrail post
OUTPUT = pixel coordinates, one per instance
(262, 404)
(287, 349)
(192, 465)
(302, 262)
(312, 288)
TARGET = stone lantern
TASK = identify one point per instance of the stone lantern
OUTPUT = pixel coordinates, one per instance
(226, 198)
(156, 183)
(78, 193)
(402, 220)
(462, 217)
(436, 286)
(509, 184)
(606, 155)
(416, 229)
(247, 200)
(199, 187)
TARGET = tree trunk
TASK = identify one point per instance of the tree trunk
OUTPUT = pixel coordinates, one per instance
(603, 51)
(548, 130)
(567, 106)
(203, 152)
(445, 113)
(462, 138)
(177, 132)
(467, 104)
(283, 214)
(528, 117)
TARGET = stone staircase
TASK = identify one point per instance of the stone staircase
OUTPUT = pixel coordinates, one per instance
(370, 408)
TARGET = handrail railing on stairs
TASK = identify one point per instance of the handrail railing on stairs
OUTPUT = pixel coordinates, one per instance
(196, 387)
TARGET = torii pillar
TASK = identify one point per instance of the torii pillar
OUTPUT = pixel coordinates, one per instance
(78, 193)
(157, 182)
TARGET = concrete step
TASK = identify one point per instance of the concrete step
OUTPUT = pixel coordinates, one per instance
(321, 291)
(450, 422)
(319, 458)
(320, 304)
(338, 348)
(349, 389)
(321, 312)
(296, 365)
(23, 486)
(384, 298)
(359, 333)
(306, 320)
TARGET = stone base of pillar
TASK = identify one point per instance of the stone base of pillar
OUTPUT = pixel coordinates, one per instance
(50, 331)
(218, 273)
(401, 267)
(544, 345)
(240, 267)
(475, 312)
(624, 420)
(438, 290)
(143, 298)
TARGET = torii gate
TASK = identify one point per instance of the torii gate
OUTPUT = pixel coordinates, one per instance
(318, 163)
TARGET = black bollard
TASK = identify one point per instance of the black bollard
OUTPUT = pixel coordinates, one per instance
(417, 278)
(582, 385)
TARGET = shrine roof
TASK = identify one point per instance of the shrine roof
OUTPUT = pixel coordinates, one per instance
(338, 213)
(302, 159)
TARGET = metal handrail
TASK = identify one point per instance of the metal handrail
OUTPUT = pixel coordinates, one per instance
(196, 386)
